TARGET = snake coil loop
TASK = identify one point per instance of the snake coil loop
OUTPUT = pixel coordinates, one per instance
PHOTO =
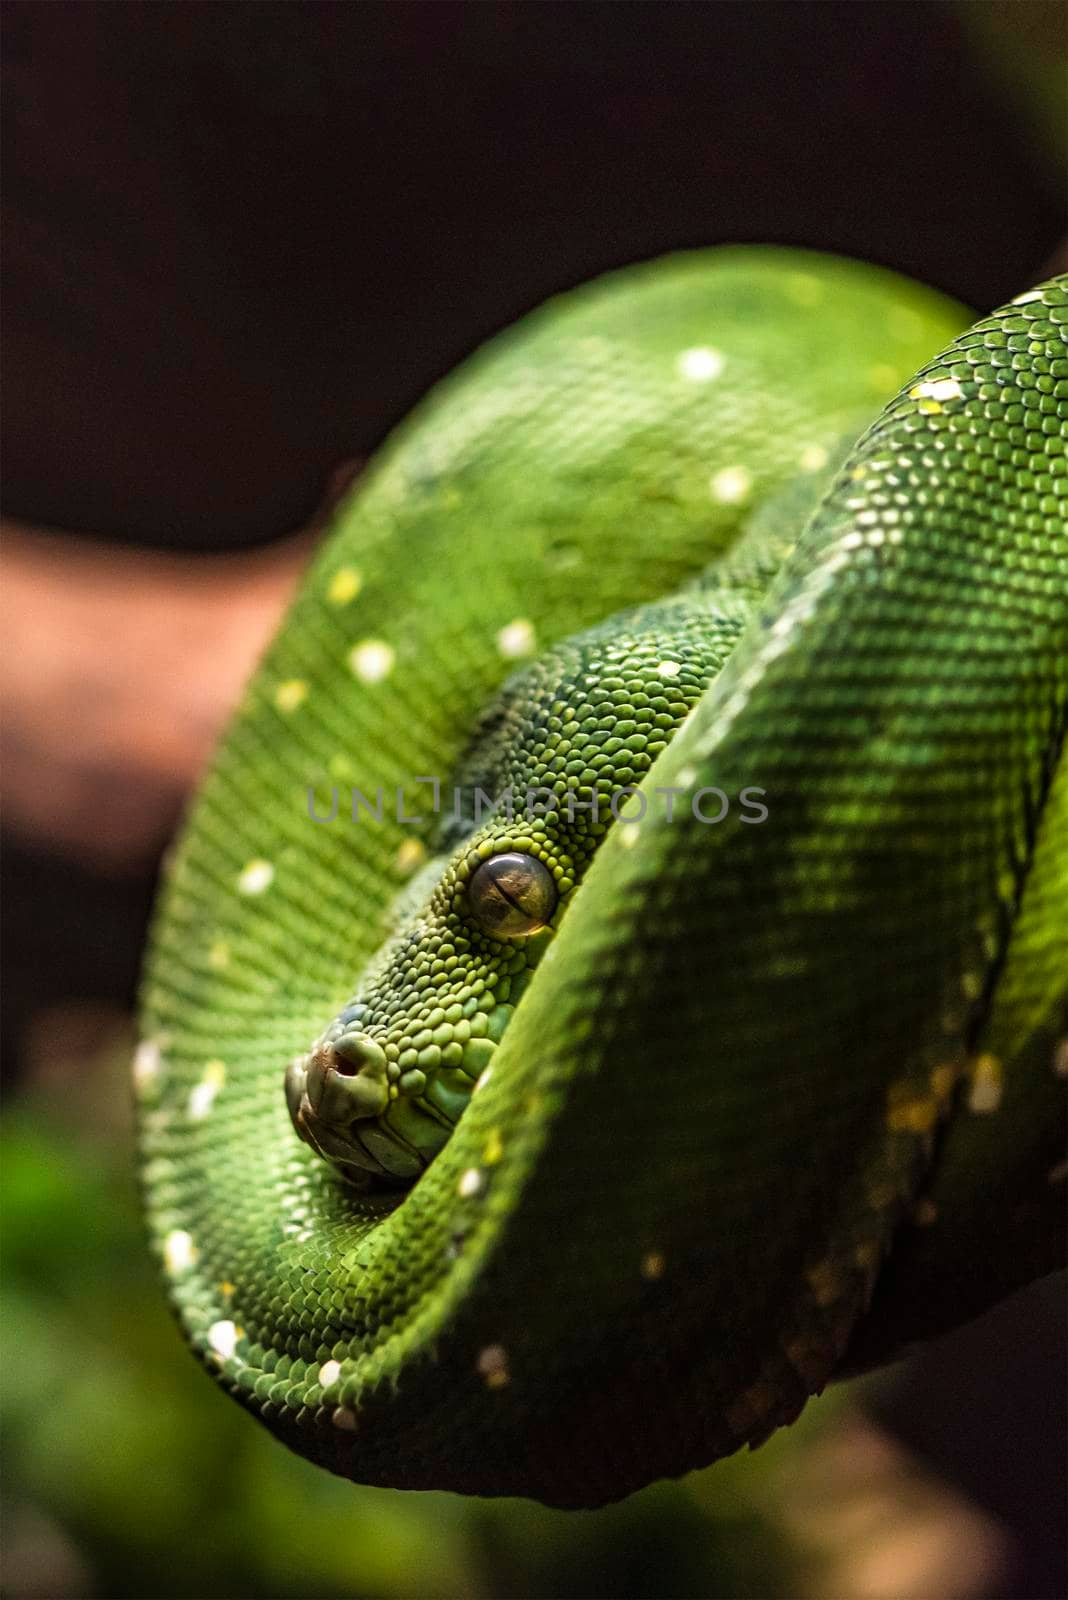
(754, 1103)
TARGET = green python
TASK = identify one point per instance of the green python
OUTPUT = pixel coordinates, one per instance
(763, 985)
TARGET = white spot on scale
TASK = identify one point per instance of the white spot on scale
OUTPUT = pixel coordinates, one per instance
(484, 1078)
(935, 390)
(701, 364)
(516, 639)
(731, 485)
(371, 660)
(179, 1251)
(668, 669)
(255, 877)
(329, 1373)
(1028, 297)
(147, 1061)
(202, 1095)
(470, 1183)
(223, 1336)
(200, 1100)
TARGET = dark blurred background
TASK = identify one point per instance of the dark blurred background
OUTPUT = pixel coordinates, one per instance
(240, 241)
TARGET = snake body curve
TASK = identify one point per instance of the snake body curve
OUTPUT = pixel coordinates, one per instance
(775, 1099)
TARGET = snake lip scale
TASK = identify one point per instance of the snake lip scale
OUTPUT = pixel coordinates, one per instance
(552, 1154)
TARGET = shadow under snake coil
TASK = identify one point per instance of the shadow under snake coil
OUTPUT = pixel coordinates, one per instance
(762, 1098)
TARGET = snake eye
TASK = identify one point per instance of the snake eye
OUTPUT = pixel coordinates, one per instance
(512, 894)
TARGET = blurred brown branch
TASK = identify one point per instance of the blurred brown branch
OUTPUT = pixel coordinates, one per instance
(119, 669)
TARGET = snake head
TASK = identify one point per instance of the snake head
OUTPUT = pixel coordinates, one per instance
(382, 1088)
(380, 1091)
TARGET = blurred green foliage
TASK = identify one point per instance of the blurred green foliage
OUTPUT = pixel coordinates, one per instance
(130, 1474)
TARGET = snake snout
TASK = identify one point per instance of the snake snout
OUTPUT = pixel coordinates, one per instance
(357, 1054)
(347, 1079)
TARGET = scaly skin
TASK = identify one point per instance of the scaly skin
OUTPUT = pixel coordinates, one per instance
(762, 1076)
(389, 1078)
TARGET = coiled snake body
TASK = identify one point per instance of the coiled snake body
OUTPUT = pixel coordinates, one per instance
(761, 1097)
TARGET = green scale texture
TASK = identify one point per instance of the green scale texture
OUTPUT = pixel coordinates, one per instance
(751, 1061)
(559, 748)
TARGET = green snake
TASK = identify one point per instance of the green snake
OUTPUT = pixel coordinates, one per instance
(554, 1152)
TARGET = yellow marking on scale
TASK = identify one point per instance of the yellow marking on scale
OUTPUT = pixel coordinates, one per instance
(345, 585)
(411, 853)
(291, 694)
